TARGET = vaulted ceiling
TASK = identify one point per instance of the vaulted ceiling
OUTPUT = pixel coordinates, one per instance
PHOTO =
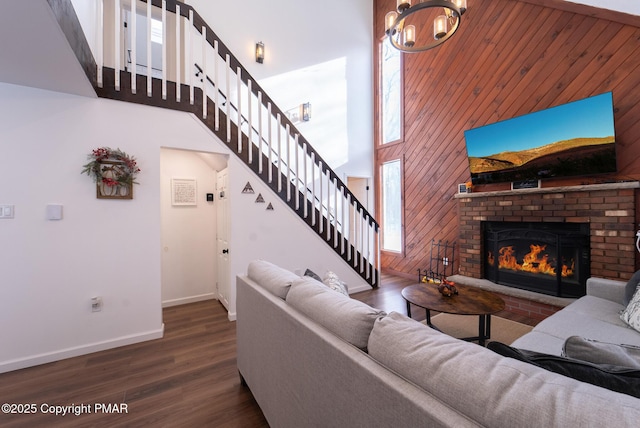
(34, 51)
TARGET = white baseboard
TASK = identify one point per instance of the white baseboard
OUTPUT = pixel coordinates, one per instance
(231, 316)
(359, 287)
(35, 360)
(185, 300)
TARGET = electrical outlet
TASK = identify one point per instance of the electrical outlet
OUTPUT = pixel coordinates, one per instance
(445, 261)
(96, 304)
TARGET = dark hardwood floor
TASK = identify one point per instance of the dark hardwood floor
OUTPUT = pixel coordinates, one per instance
(186, 379)
(388, 298)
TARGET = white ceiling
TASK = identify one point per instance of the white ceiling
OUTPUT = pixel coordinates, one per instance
(27, 61)
(627, 6)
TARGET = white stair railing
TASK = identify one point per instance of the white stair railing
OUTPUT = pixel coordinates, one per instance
(267, 136)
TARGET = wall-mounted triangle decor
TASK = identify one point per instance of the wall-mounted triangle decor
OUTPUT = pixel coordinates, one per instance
(248, 188)
(259, 199)
(269, 207)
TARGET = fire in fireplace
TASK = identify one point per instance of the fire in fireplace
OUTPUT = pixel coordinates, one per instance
(549, 258)
(535, 261)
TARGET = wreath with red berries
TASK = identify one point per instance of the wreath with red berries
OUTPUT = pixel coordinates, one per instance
(123, 167)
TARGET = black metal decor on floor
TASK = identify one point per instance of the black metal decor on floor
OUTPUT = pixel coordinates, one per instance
(441, 261)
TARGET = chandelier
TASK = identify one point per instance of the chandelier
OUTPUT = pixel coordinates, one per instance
(402, 34)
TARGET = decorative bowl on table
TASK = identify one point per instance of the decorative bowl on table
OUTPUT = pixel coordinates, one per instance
(447, 288)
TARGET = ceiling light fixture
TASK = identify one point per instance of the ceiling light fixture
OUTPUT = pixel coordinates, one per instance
(402, 33)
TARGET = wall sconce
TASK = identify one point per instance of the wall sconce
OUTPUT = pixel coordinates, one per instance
(301, 113)
(260, 52)
(305, 112)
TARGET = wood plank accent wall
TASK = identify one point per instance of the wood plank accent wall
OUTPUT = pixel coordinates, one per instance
(509, 58)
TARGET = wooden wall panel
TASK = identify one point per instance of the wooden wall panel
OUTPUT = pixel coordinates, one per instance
(509, 58)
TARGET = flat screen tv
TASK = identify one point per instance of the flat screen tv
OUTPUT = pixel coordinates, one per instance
(572, 139)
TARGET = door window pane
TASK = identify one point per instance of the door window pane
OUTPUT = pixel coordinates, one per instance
(391, 206)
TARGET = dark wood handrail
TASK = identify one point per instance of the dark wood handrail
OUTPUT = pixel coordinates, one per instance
(245, 76)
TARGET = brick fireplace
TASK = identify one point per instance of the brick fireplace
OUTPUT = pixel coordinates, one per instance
(608, 210)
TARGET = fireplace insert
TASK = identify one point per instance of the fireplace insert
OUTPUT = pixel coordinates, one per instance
(548, 258)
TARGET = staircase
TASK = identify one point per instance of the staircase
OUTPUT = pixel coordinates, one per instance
(204, 78)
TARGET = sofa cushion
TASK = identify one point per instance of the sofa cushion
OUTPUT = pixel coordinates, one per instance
(597, 308)
(593, 351)
(488, 388)
(616, 378)
(349, 319)
(631, 287)
(540, 342)
(271, 277)
(631, 314)
(568, 323)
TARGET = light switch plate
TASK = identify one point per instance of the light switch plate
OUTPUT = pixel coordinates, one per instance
(6, 211)
(54, 212)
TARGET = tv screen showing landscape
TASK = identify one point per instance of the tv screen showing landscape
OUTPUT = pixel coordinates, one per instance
(572, 139)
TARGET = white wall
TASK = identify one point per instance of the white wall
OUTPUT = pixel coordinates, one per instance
(278, 236)
(109, 248)
(305, 40)
(188, 232)
(113, 248)
(316, 51)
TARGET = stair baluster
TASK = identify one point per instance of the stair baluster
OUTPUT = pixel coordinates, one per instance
(336, 215)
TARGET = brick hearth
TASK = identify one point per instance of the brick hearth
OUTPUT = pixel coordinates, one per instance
(610, 210)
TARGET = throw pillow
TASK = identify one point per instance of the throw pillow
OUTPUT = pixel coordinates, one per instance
(596, 352)
(631, 288)
(631, 314)
(620, 379)
(332, 281)
(312, 274)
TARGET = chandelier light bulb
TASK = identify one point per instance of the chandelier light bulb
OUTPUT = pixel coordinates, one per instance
(440, 27)
(462, 5)
(403, 5)
(389, 19)
(409, 35)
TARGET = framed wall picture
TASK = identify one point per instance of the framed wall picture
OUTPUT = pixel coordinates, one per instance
(110, 186)
(183, 191)
(113, 171)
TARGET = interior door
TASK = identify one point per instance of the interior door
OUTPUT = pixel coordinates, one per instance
(222, 237)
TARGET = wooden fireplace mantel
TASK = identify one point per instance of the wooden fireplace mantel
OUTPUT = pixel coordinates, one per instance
(558, 189)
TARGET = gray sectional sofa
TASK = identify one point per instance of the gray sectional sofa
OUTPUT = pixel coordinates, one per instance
(595, 316)
(313, 357)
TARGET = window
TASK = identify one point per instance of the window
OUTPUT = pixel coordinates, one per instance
(390, 99)
(156, 31)
(391, 189)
